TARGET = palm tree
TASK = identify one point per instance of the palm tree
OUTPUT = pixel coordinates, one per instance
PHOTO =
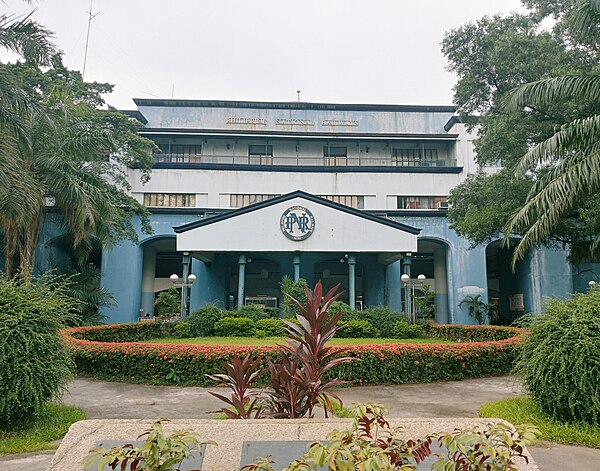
(567, 165)
(60, 162)
(26, 38)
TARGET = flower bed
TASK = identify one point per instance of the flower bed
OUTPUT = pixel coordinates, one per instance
(111, 352)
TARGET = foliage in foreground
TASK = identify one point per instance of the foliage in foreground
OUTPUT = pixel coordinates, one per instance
(372, 444)
(35, 363)
(37, 432)
(560, 359)
(484, 351)
(522, 410)
(297, 377)
(159, 452)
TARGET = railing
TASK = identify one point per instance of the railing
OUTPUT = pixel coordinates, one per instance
(301, 160)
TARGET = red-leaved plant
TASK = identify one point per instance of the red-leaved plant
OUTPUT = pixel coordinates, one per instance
(297, 384)
(239, 378)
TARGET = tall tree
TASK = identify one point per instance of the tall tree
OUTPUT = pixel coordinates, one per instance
(566, 165)
(72, 157)
(491, 57)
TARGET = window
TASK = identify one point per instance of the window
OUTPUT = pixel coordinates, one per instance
(357, 202)
(242, 200)
(416, 158)
(335, 155)
(420, 202)
(185, 153)
(261, 154)
(172, 200)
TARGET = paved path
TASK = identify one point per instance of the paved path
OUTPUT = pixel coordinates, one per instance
(105, 400)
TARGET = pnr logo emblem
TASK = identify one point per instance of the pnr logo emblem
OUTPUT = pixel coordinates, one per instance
(297, 223)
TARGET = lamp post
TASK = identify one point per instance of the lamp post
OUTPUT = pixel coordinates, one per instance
(185, 285)
(411, 285)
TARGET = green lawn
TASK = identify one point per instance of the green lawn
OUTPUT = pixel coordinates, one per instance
(273, 340)
(36, 434)
(523, 410)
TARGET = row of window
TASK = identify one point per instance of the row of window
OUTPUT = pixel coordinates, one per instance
(240, 200)
(262, 154)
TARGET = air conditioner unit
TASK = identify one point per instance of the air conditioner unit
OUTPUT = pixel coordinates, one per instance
(442, 205)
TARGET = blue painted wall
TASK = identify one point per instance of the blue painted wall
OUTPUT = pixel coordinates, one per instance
(544, 273)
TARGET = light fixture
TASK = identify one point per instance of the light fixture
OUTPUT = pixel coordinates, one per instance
(421, 278)
(191, 278)
(405, 278)
(174, 278)
(592, 284)
(408, 254)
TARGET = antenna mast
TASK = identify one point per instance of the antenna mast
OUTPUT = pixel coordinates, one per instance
(91, 16)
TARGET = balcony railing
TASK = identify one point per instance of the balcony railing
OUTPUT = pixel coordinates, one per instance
(319, 161)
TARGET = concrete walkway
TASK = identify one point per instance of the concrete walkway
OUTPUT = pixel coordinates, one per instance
(105, 400)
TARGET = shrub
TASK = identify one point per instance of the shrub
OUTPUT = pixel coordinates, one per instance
(295, 290)
(203, 320)
(403, 330)
(560, 360)
(381, 364)
(234, 327)
(270, 327)
(340, 306)
(382, 318)
(255, 313)
(183, 330)
(168, 303)
(34, 361)
(356, 329)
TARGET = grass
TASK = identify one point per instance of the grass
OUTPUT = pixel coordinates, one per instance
(253, 341)
(522, 410)
(37, 433)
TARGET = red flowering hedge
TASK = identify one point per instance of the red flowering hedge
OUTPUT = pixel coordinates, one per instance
(126, 360)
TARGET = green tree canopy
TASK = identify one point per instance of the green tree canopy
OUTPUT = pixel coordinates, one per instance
(492, 57)
(64, 148)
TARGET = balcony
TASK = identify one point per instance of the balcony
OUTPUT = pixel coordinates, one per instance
(302, 161)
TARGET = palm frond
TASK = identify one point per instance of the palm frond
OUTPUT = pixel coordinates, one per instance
(547, 91)
(574, 136)
(26, 38)
(552, 197)
(586, 18)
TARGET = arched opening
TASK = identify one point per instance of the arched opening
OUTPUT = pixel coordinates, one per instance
(507, 290)
(261, 282)
(332, 272)
(431, 260)
(160, 261)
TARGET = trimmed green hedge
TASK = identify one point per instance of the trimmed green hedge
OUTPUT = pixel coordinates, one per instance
(381, 364)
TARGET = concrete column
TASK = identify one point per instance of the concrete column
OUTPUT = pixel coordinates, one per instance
(352, 281)
(241, 280)
(441, 286)
(296, 263)
(407, 299)
(148, 272)
(184, 289)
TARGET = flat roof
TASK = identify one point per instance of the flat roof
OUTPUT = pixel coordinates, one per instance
(293, 105)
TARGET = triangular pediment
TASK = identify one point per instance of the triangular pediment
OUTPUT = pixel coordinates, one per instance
(297, 221)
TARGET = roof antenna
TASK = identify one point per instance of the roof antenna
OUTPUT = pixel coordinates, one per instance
(87, 39)
(298, 92)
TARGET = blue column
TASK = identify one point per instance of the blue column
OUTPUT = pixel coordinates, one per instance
(184, 282)
(241, 280)
(296, 263)
(407, 299)
(352, 282)
(148, 272)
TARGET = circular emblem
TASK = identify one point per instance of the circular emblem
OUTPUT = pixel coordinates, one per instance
(297, 223)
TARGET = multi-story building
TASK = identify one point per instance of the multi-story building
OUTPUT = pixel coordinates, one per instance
(243, 193)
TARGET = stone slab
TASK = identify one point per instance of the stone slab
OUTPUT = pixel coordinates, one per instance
(230, 435)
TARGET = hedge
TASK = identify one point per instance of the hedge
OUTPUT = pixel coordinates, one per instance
(381, 364)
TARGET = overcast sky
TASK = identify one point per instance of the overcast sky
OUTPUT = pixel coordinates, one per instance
(348, 51)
